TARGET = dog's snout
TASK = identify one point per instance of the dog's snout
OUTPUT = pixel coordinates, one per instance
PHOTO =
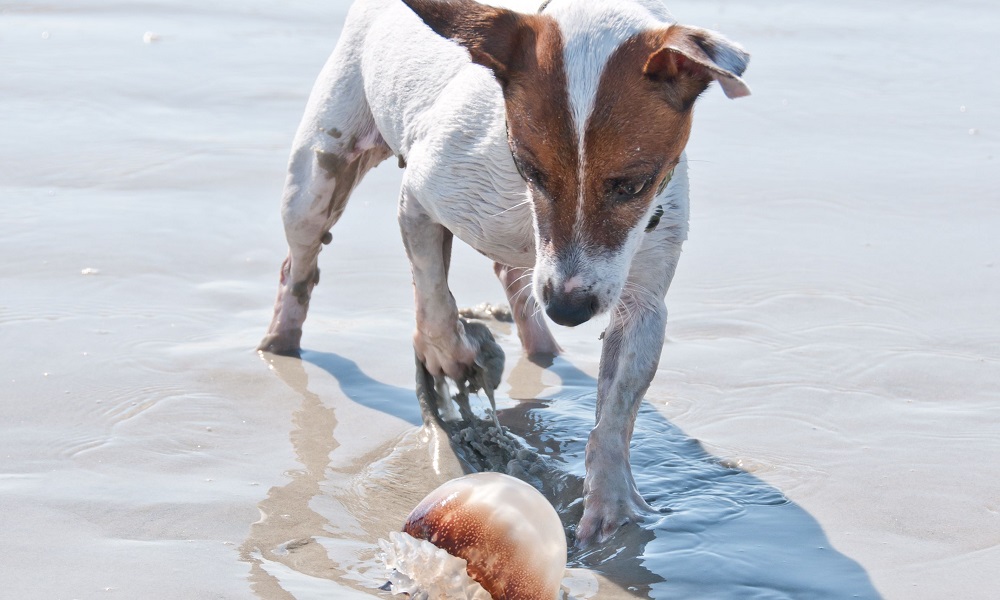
(547, 293)
(571, 309)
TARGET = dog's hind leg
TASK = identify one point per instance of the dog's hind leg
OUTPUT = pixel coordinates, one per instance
(336, 144)
(536, 339)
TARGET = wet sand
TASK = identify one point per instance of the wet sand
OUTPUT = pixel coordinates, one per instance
(825, 422)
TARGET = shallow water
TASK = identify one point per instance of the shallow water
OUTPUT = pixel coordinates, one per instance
(823, 423)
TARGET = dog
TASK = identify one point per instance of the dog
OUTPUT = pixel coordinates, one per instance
(550, 137)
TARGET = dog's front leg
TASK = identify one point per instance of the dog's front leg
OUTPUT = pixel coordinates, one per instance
(440, 339)
(631, 353)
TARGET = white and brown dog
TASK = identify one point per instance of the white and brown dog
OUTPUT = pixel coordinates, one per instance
(551, 139)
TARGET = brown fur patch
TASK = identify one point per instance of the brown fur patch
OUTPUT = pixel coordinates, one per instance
(635, 136)
(541, 132)
(491, 35)
(680, 65)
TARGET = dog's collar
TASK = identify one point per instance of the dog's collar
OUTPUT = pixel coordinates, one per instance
(655, 219)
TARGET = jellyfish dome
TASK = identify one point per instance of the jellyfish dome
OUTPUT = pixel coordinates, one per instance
(479, 537)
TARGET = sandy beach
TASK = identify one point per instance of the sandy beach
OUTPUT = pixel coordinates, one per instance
(825, 422)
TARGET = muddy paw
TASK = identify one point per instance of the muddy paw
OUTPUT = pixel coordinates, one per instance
(482, 372)
(285, 343)
(606, 511)
(445, 351)
(465, 353)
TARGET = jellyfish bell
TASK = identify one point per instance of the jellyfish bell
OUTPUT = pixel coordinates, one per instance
(479, 537)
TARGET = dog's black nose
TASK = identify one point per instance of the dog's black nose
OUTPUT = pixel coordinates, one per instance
(572, 309)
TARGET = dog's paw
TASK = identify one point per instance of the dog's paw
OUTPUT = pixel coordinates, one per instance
(285, 343)
(481, 373)
(601, 520)
(607, 507)
(455, 352)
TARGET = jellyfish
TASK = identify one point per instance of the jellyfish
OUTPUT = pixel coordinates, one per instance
(485, 536)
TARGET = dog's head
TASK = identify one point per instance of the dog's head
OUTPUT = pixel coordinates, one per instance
(598, 96)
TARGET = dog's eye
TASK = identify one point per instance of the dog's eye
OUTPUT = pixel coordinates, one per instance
(623, 190)
(530, 173)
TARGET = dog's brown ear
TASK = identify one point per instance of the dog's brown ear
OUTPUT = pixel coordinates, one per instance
(493, 36)
(691, 58)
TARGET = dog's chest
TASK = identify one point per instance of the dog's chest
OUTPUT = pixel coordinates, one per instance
(460, 169)
(486, 209)
(503, 233)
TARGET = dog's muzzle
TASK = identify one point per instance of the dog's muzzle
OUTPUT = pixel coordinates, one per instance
(569, 308)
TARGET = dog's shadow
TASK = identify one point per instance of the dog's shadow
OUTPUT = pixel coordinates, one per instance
(723, 532)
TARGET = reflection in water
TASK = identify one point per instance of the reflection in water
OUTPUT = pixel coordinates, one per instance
(723, 533)
(320, 530)
(287, 526)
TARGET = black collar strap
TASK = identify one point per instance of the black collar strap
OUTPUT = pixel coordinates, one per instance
(655, 219)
